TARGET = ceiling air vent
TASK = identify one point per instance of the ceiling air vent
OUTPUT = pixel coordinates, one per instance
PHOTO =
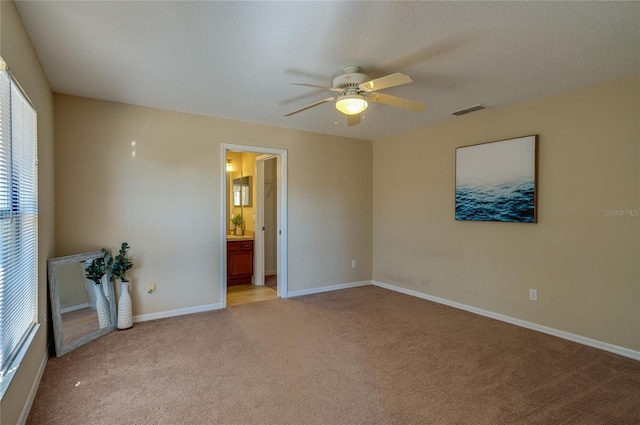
(473, 108)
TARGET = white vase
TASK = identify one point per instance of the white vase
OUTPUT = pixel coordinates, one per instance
(238, 231)
(102, 308)
(125, 313)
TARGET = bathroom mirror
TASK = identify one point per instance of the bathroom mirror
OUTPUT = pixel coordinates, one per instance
(242, 192)
(81, 310)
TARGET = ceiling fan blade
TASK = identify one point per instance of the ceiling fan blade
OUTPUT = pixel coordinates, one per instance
(398, 102)
(320, 102)
(353, 120)
(392, 80)
(318, 87)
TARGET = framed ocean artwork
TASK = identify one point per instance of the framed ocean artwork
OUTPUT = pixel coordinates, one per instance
(497, 181)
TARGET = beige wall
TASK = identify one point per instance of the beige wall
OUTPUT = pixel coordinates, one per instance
(584, 263)
(249, 169)
(236, 158)
(166, 200)
(244, 165)
(17, 51)
(72, 290)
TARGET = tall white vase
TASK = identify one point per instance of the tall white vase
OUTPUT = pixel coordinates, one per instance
(102, 308)
(125, 313)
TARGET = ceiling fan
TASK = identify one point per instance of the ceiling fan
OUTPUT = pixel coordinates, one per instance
(356, 90)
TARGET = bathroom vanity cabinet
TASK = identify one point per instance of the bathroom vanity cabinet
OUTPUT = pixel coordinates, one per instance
(239, 262)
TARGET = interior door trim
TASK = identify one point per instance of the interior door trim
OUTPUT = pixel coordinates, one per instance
(281, 155)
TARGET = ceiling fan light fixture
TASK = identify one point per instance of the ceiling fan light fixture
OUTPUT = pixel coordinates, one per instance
(351, 104)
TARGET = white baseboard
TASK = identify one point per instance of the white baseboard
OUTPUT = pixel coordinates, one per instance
(75, 307)
(177, 312)
(22, 420)
(626, 352)
(217, 306)
(327, 288)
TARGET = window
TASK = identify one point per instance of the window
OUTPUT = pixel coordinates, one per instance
(18, 225)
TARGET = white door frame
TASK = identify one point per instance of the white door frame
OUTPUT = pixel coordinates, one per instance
(281, 155)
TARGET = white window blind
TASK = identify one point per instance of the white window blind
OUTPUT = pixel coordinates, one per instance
(18, 223)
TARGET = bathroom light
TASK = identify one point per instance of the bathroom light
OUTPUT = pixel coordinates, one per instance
(351, 104)
(229, 165)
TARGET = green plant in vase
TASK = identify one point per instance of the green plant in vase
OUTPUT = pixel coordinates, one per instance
(95, 271)
(238, 221)
(98, 267)
(120, 264)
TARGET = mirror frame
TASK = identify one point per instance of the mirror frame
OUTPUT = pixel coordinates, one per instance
(56, 315)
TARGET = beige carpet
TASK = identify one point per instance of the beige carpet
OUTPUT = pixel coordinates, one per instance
(359, 356)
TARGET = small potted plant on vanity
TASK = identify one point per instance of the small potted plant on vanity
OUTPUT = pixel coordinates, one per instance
(238, 221)
(119, 266)
(95, 271)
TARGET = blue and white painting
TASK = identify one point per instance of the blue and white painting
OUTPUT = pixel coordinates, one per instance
(497, 181)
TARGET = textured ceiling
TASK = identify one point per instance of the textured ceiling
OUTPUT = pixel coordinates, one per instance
(237, 59)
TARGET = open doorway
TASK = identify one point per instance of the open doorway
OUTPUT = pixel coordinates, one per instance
(254, 224)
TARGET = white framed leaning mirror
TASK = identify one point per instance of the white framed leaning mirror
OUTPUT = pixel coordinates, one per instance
(83, 304)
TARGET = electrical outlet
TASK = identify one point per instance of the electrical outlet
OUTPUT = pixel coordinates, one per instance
(152, 287)
(353, 264)
(533, 294)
